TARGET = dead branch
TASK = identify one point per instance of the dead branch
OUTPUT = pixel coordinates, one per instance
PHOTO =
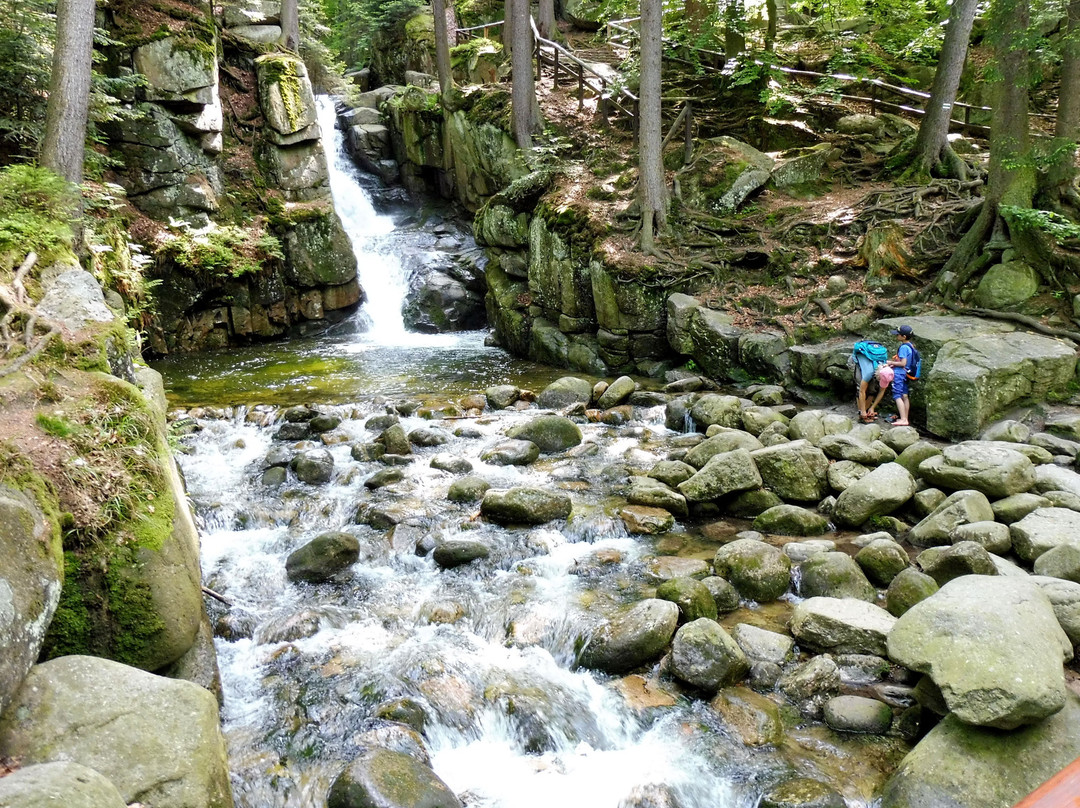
(1023, 319)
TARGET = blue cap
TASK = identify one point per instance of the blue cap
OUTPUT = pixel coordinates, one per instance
(904, 329)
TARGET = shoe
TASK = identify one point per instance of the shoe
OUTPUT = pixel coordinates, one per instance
(868, 418)
(892, 418)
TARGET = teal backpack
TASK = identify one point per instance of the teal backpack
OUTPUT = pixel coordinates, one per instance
(874, 351)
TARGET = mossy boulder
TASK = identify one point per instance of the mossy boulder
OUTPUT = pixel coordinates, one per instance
(834, 575)
(41, 785)
(323, 557)
(882, 560)
(723, 474)
(1007, 284)
(389, 779)
(705, 656)
(692, 597)
(552, 433)
(525, 506)
(637, 636)
(795, 472)
(791, 520)
(318, 251)
(910, 586)
(285, 94)
(757, 570)
(178, 69)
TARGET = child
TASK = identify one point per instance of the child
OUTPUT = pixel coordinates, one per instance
(903, 362)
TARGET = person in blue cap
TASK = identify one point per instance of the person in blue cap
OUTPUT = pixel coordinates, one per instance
(903, 361)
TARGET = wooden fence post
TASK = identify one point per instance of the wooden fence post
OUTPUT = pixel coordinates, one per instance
(688, 138)
(580, 88)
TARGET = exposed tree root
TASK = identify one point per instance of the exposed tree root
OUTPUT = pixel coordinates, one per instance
(1023, 319)
(17, 303)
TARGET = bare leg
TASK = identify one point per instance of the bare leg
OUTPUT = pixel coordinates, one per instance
(903, 405)
(860, 398)
(877, 400)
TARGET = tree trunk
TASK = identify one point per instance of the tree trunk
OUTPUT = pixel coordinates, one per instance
(770, 25)
(932, 143)
(442, 48)
(1011, 179)
(290, 25)
(654, 198)
(523, 102)
(734, 38)
(451, 24)
(508, 27)
(1058, 191)
(63, 146)
(545, 18)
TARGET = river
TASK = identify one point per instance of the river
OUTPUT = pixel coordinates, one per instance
(485, 651)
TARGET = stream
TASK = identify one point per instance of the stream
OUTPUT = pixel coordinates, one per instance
(482, 654)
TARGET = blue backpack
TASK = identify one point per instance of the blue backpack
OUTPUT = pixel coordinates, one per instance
(914, 370)
(874, 351)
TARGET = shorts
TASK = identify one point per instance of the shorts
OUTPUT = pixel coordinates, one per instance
(900, 386)
(864, 369)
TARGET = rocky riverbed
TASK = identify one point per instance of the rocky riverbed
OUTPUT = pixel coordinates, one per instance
(637, 597)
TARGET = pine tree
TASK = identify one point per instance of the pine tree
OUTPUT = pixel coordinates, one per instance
(654, 199)
(63, 147)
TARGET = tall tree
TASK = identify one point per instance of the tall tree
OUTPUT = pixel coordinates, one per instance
(290, 25)
(526, 111)
(63, 147)
(734, 29)
(1011, 176)
(442, 48)
(1057, 189)
(654, 198)
(545, 18)
(508, 27)
(932, 151)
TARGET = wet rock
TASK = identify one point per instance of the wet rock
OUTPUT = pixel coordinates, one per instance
(653, 493)
(278, 456)
(565, 392)
(910, 586)
(159, 742)
(915, 454)
(502, 396)
(857, 714)
(880, 492)
(368, 452)
(801, 792)
(381, 479)
(791, 520)
(692, 597)
(1044, 529)
(712, 409)
(664, 568)
(388, 459)
(1061, 562)
(457, 552)
(511, 453)
(811, 684)
(761, 645)
(552, 433)
(756, 420)
(672, 472)
(380, 423)
(397, 737)
(705, 656)
(882, 560)
(748, 504)
(651, 795)
(395, 440)
(965, 558)
(48, 785)
(720, 443)
(992, 645)
(926, 500)
(314, 466)
(795, 472)
(643, 520)
(323, 557)
(532, 506)
(961, 508)
(324, 423)
(843, 625)
(800, 551)
(616, 393)
(834, 575)
(404, 711)
(631, 640)
(723, 474)
(289, 627)
(757, 570)
(993, 536)
(1065, 598)
(995, 471)
(752, 718)
(451, 463)
(292, 431)
(428, 437)
(965, 766)
(724, 595)
(383, 778)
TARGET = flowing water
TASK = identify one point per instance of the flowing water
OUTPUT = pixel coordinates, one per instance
(485, 651)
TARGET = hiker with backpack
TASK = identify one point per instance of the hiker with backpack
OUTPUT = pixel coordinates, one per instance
(871, 363)
(908, 365)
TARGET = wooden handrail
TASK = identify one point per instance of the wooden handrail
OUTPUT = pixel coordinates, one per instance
(1060, 791)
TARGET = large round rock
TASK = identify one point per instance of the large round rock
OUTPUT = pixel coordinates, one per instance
(706, 656)
(631, 640)
(834, 575)
(322, 557)
(801, 792)
(525, 506)
(692, 597)
(315, 466)
(382, 778)
(758, 570)
(565, 392)
(52, 785)
(552, 433)
(791, 520)
(880, 492)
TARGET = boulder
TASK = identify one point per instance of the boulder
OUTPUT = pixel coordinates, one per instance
(723, 474)
(30, 579)
(843, 625)
(451, 463)
(843, 473)
(502, 396)
(705, 656)
(724, 595)
(801, 792)
(811, 684)
(880, 492)
(458, 552)
(993, 536)
(381, 479)
(757, 419)
(849, 447)
(857, 714)
(552, 433)
(1008, 431)
(617, 393)
(712, 409)
(900, 438)
(807, 425)
(762, 645)
(995, 471)
(511, 453)
(692, 597)
(973, 379)
(323, 557)
(749, 504)
(1062, 561)
(383, 778)
(915, 454)
(50, 785)
(565, 392)
(1065, 598)
(965, 766)
(75, 300)
(757, 570)
(314, 466)
(643, 520)
(631, 640)
(395, 440)
(1055, 478)
(178, 69)
(961, 508)
(1044, 529)
(752, 718)
(964, 558)
(468, 489)
(926, 500)
(1005, 285)
(791, 520)
(680, 309)
(992, 645)
(521, 505)
(910, 586)
(654, 494)
(727, 440)
(834, 575)
(157, 740)
(672, 472)
(795, 472)
(882, 560)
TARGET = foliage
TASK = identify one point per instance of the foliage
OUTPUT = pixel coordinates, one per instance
(227, 251)
(25, 64)
(1053, 224)
(353, 24)
(36, 207)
